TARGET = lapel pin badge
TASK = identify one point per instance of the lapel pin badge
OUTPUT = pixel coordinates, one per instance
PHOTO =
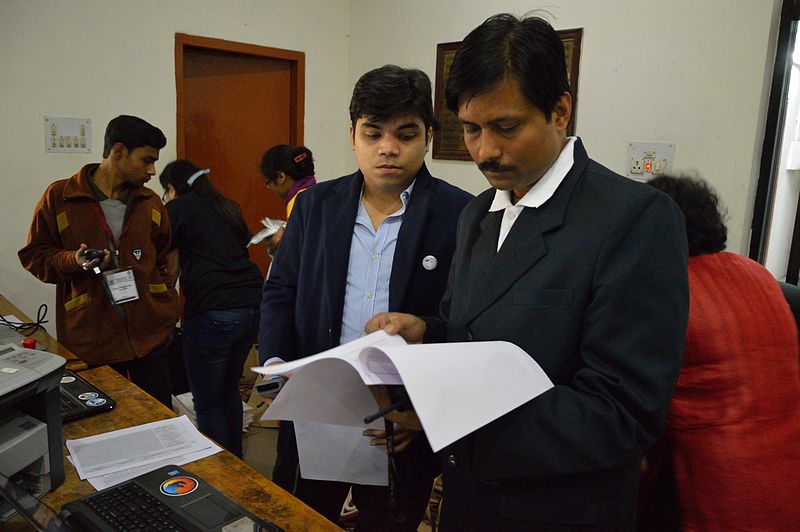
(429, 262)
(137, 253)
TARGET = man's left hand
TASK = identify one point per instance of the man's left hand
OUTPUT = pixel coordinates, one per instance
(407, 419)
(402, 437)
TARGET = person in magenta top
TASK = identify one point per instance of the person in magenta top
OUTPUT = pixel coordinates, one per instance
(733, 425)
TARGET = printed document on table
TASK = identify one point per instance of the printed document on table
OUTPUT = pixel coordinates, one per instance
(118, 450)
(112, 479)
(455, 388)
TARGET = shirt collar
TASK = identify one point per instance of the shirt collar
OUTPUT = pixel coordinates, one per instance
(405, 197)
(543, 189)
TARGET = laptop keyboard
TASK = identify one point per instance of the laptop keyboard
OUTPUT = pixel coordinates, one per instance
(68, 403)
(129, 507)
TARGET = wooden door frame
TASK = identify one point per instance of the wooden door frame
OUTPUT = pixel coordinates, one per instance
(297, 62)
(773, 132)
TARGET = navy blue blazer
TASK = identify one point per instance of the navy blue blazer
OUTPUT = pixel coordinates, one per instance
(593, 285)
(303, 298)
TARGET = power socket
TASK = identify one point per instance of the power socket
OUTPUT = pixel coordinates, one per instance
(646, 160)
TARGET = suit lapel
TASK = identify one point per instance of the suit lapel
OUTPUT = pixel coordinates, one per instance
(338, 218)
(494, 273)
(408, 240)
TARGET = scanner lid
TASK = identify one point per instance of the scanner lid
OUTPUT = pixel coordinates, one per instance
(20, 367)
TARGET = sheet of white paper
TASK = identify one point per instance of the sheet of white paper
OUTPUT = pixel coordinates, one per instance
(456, 388)
(348, 353)
(135, 446)
(112, 479)
(327, 391)
(333, 452)
(270, 228)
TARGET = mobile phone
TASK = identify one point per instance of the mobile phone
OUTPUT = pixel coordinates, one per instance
(92, 253)
(270, 387)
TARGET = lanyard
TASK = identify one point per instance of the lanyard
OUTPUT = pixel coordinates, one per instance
(113, 244)
(395, 508)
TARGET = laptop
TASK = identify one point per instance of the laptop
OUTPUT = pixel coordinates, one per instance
(167, 498)
(80, 399)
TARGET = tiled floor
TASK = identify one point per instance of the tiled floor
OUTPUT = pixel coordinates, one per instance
(259, 449)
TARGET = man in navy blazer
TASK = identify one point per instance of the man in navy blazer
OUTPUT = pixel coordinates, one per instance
(379, 239)
(583, 269)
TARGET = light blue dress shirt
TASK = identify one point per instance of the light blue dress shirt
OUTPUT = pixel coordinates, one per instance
(370, 268)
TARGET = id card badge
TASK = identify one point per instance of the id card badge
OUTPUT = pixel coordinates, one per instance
(121, 285)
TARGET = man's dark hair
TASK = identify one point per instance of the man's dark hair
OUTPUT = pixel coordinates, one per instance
(390, 91)
(705, 226)
(132, 132)
(526, 49)
(295, 161)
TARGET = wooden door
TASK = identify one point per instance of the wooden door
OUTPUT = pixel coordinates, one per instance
(234, 102)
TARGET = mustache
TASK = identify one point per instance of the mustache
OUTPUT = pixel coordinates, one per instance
(494, 166)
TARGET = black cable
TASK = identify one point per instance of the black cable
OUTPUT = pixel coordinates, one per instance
(27, 328)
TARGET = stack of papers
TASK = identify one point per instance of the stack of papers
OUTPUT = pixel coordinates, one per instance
(270, 228)
(113, 457)
(456, 388)
(247, 416)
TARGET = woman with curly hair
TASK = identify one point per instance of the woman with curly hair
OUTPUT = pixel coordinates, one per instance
(733, 425)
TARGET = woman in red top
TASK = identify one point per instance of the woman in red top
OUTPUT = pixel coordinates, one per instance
(734, 422)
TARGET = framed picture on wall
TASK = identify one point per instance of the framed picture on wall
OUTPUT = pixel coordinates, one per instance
(448, 140)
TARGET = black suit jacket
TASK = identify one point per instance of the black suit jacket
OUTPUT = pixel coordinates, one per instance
(593, 285)
(303, 298)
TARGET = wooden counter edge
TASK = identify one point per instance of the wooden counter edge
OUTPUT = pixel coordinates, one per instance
(226, 472)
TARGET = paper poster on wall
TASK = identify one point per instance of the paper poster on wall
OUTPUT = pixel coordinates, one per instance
(67, 135)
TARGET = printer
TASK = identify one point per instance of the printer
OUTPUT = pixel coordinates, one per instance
(30, 419)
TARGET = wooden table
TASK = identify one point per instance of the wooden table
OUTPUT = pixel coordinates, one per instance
(50, 343)
(227, 473)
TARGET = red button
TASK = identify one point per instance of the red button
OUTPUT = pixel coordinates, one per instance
(29, 343)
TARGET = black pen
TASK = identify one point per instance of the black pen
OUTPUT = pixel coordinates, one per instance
(401, 404)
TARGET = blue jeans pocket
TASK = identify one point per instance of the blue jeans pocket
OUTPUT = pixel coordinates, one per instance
(218, 333)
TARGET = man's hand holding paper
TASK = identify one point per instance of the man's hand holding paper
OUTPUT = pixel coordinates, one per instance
(334, 387)
(406, 419)
(408, 326)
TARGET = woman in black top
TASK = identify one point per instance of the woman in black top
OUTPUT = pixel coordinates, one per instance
(222, 288)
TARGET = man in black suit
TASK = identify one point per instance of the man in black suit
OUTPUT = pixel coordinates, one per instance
(583, 269)
(379, 239)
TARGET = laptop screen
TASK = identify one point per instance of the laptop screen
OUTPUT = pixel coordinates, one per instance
(34, 511)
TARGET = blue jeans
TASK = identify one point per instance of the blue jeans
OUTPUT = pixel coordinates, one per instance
(215, 347)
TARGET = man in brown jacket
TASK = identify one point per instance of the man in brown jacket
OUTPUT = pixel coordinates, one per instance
(118, 308)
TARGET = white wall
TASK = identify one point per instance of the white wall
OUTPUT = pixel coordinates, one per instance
(691, 72)
(97, 59)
